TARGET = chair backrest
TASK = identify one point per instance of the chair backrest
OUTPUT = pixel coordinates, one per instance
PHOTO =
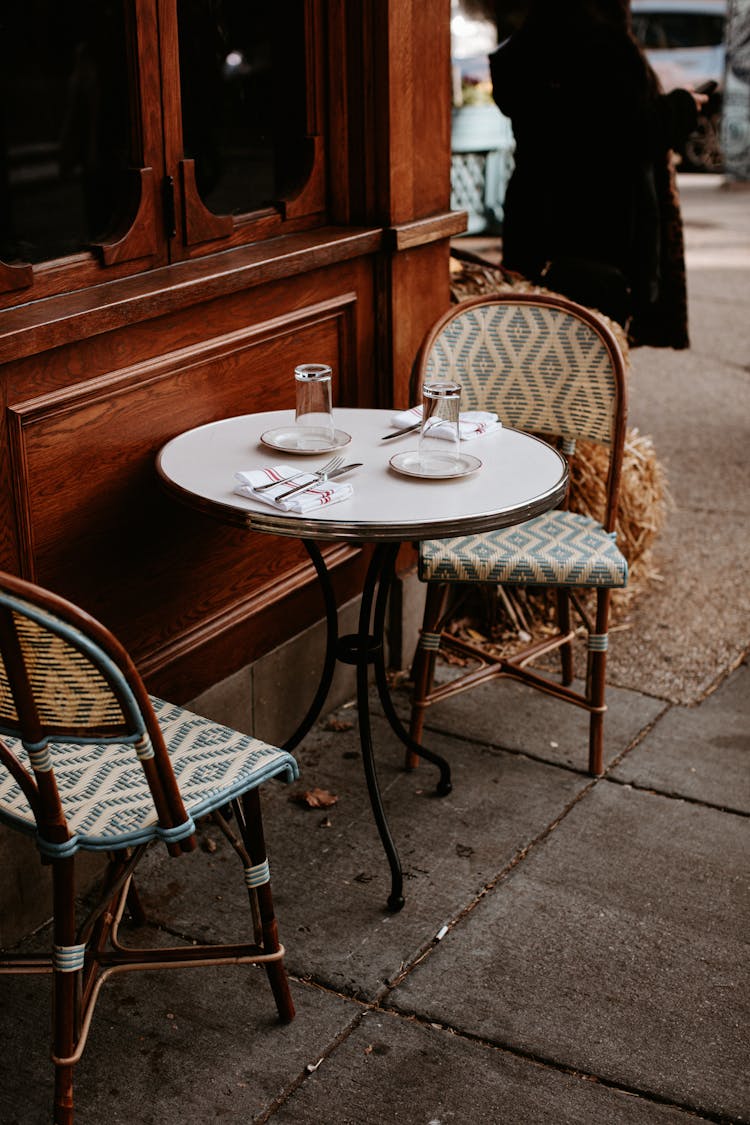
(64, 678)
(541, 362)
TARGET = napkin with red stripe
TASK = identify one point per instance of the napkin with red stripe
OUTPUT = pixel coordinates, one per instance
(319, 495)
(471, 423)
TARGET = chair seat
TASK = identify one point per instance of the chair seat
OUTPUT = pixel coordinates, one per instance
(558, 548)
(104, 792)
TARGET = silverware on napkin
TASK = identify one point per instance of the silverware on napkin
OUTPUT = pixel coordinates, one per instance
(322, 481)
(329, 466)
(406, 430)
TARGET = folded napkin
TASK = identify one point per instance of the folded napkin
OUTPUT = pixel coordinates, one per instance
(471, 423)
(328, 492)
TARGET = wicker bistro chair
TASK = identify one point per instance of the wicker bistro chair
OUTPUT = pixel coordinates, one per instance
(546, 365)
(93, 763)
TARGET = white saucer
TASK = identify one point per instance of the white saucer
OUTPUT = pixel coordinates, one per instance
(409, 464)
(287, 438)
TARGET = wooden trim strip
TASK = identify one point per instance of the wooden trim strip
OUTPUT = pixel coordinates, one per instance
(36, 327)
(103, 388)
(140, 239)
(420, 232)
(18, 275)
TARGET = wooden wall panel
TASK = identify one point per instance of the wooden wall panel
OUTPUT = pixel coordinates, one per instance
(425, 303)
(90, 517)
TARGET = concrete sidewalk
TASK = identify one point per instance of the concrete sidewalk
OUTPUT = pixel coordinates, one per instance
(571, 950)
(691, 628)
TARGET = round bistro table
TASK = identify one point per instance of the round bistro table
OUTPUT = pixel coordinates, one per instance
(520, 477)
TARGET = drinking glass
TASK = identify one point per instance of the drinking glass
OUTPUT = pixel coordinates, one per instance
(439, 436)
(314, 412)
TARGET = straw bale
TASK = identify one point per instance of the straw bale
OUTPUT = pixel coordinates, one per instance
(644, 499)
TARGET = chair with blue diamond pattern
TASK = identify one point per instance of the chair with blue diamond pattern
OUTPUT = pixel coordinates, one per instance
(554, 368)
(93, 763)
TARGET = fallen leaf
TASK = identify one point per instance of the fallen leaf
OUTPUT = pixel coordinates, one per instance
(338, 724)
(316, 798)
(475, 635)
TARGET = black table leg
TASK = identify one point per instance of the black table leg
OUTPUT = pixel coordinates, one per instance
(444, 785)
(329, 660)
(362, 649)
(365, 648)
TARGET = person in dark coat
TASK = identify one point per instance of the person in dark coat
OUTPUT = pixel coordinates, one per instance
(591, 207)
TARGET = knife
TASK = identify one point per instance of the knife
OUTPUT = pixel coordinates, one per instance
(314, 483)
(398, 433)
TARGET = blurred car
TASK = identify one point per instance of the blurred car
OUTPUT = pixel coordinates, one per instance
(685, 41)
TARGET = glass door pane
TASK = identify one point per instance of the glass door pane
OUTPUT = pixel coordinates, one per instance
(65, 138)
(242, 86)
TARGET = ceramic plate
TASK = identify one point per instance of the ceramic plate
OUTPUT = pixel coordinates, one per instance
(287, 438)
(409, 464)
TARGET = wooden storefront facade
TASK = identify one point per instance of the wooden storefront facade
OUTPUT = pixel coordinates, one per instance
(182, 314)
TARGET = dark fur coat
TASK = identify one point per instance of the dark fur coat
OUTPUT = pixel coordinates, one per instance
(593, 178)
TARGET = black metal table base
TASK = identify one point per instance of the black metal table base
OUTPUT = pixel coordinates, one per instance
(363, 649)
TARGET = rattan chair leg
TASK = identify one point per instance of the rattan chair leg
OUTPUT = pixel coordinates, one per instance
(66, 986)
(279, 982)
(423, 666)
(252, 833)
(596, 745)
(596, 686)
(135, 907)
(63, 1109)
(563, 622)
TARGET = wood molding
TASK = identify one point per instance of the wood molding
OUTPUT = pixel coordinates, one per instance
(88, 515)
(12, 276)
(19, 475)
(420, 232)
(65, 319)
(103, 387)
(140, 240)
(200, 224)
(311, 197)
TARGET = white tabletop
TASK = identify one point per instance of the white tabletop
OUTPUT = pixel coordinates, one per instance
(520, 477)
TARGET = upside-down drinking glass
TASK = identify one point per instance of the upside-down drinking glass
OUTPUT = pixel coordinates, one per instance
(439, 436)
(314, 410)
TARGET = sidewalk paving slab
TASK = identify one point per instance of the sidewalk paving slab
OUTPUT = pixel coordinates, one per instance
(691, 625)
(618, 949)
(700, 753)
(513, 716)
(392, 1069)
(591, 970)
(687, 632)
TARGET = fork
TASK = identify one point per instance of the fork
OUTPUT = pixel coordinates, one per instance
(327, 468)
(321, 480)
